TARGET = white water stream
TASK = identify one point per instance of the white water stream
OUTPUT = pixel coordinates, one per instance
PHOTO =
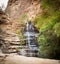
(30, 36)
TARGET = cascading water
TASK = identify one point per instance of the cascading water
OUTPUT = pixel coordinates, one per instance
(30, 47)
(31, 42)
(29, 33)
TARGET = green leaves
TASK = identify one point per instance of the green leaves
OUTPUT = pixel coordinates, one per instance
(50, 4)
(57, 29)
(42, 39)
(48, 23)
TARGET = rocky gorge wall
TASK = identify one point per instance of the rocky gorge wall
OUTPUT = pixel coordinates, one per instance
(20, 10)
(6, 32)
(14, 11)
(18, 7)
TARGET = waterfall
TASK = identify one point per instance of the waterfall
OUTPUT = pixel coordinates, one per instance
(31, 48)
(29, 33)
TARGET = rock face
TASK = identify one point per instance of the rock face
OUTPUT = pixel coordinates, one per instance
(15, 9)
(3, 22)
(18, 7)
(3, 17)
(7, 35)
(19, 10)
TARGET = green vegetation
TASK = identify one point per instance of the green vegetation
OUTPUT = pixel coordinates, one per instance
(48, 23)
(21, 22)
(23, 17)
(21, 37)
